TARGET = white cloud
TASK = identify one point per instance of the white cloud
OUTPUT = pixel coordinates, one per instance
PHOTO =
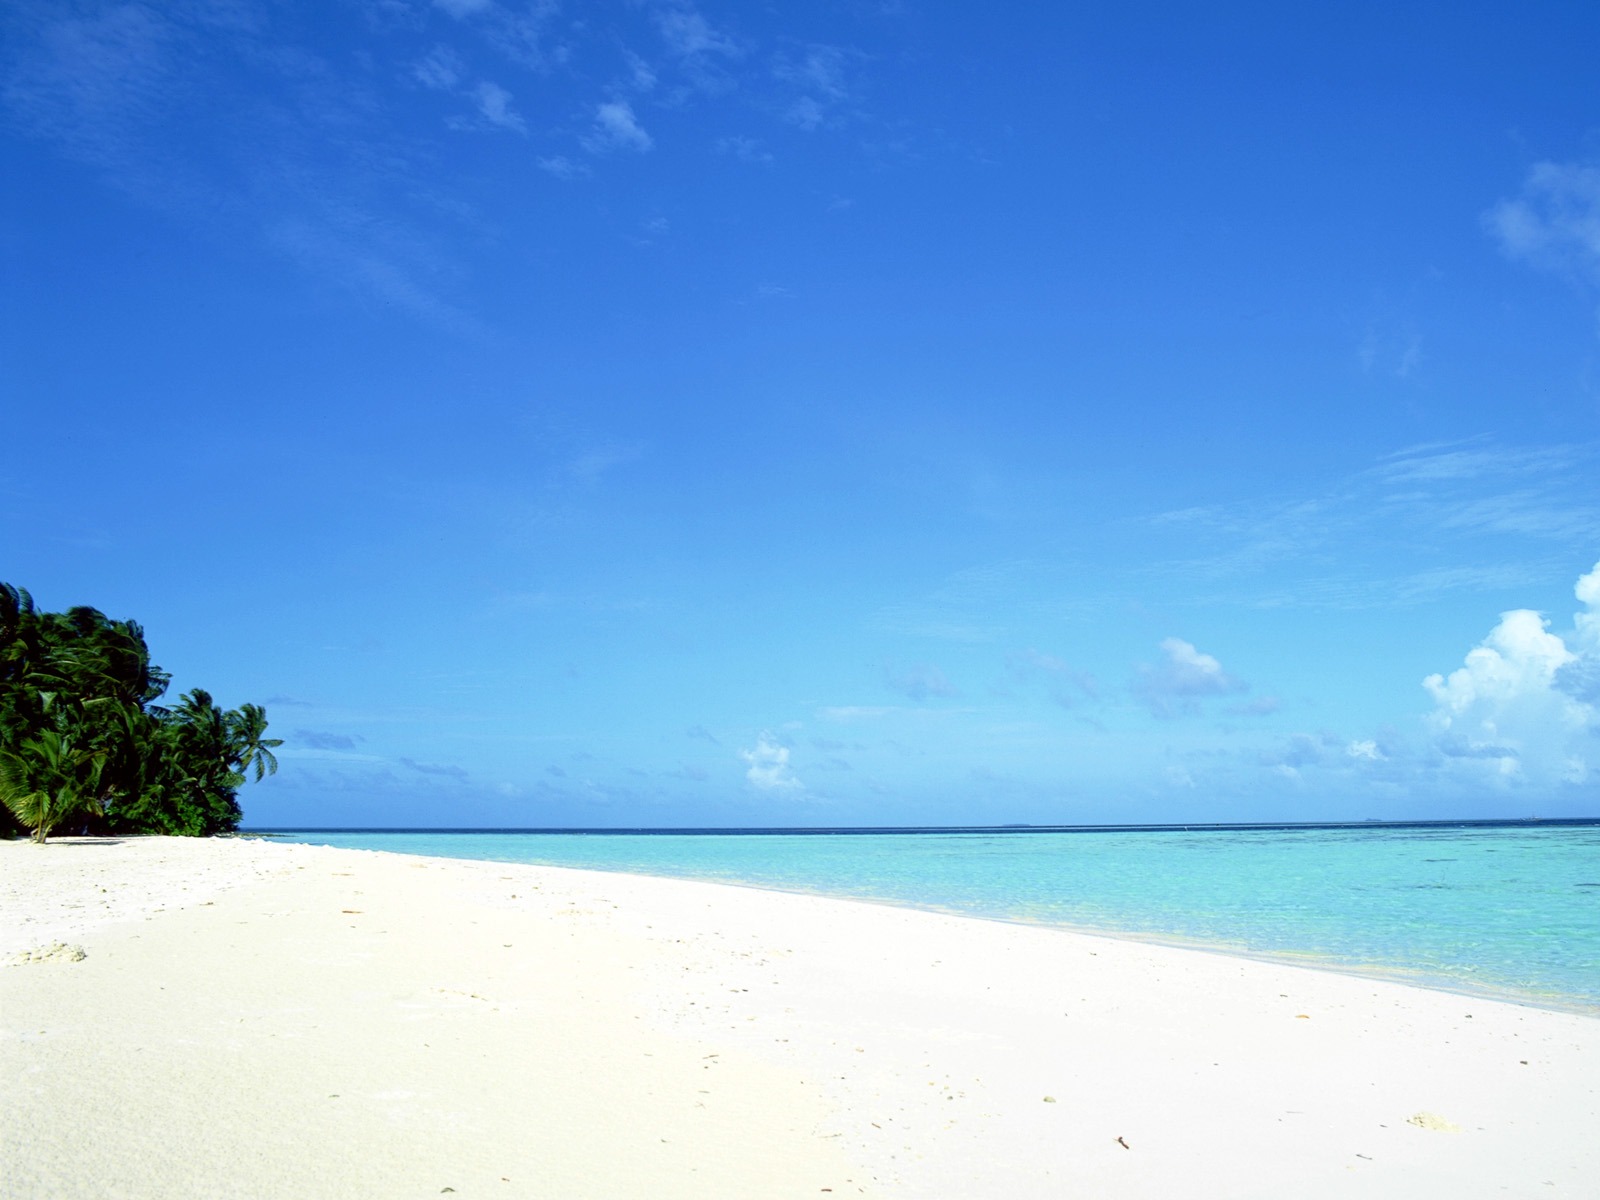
(1519, 656)
(1522, 706)
(1556, 220)
(1366, 751)
(769, 766)
(1587, 590)
(494, 102)
(616, 128)
(1183, 680)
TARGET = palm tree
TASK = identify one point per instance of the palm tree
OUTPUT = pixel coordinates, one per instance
(47, 779)
(82, 731)
(246, 746)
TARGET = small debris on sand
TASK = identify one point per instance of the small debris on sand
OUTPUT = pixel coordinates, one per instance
(56, 952)
(1433, 1121)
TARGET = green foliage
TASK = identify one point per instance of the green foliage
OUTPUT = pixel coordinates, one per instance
(83, 743)
(47, 779)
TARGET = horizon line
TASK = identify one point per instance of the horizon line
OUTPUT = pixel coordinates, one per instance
(734, 830)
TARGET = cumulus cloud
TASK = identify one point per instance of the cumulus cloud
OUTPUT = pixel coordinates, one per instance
(616, 128)
(1177, 685)
(1522, 706)
(768, 766)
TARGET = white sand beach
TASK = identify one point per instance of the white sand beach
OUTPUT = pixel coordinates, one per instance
(239, 1018)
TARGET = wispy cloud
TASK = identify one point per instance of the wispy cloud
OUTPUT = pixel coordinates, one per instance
(816, 76)
(918, 681)
(288, 152)
(1065, 684)
(448, 772)
(745, 149)
(855, 712)
(1476, 459)
(462, 9)
(1495, 515)
(441, 70)
(616, 128)
(562, 167)
(226, 117)
(318, 740)
(494, 105)
(1555, 221)
(689, 36)
(1261, 706)
(588, 468)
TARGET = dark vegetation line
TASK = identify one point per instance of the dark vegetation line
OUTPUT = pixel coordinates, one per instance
(85, 748)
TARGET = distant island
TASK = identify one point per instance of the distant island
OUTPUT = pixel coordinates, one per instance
(86, 748)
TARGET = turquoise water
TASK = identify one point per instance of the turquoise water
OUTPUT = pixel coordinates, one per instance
(1509, 911)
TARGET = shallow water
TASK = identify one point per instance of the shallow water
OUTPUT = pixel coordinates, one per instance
(1502, 910)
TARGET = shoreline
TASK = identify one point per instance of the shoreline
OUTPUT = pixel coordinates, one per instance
(1402, 975)
(781, 1042)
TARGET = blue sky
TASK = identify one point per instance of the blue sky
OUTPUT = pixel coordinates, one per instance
(662, 413)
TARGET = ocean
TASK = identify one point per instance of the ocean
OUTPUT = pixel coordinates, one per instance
(1509, 910)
